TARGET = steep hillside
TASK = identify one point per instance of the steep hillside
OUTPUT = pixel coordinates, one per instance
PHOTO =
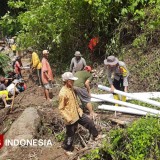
(144, 70)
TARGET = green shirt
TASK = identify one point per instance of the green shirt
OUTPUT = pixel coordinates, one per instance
(82, 77)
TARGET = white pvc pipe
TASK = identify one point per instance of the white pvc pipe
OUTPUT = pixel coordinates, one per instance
(149, 101)
(122, 109)
(149, 110)
(140, 95)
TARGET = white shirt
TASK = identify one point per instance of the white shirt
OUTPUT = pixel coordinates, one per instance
(10, 88)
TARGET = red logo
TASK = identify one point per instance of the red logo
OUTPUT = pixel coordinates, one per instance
(1, 140)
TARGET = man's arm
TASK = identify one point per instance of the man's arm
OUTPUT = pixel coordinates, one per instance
(109, 75)
(46, 74)
(87, 85)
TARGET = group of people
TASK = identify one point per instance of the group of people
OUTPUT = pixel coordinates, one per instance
(10, 87)
(13, 83)
(76, 84)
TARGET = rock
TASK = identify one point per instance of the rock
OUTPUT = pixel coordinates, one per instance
(25, 127)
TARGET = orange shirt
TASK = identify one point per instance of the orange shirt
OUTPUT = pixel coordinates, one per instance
(46, 68)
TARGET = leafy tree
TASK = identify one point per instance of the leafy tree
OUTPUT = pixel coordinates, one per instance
(68, 25)
(4, 59)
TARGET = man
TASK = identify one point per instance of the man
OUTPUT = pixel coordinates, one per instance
(47, 75)
(3, 92)
(4, 97)
(9, 77)
(35, 64)
(17, 66)
(117, 74)
(82, 88)
(72, 113)
(77, 63)
(12, 88)
(2, 83)
(13, 48)
(21, 85)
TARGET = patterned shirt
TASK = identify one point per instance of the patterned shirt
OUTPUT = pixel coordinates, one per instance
(68, 105)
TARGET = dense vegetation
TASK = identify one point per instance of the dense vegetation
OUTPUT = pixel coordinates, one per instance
(4, 61)
(65, 26)
(140, 141)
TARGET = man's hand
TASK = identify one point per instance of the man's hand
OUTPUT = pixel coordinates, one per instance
(112, 89)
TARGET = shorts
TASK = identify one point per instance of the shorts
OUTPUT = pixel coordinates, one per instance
(83, 94)
(48, 86)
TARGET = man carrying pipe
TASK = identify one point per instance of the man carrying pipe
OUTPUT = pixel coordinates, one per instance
(117, 74)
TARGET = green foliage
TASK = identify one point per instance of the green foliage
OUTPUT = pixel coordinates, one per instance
(65, 26)
(93, 155)
(143, 137)
(4, 59)
(60, 136)
(140, 42)
(9, 24)
(18, 4)
(140, 141)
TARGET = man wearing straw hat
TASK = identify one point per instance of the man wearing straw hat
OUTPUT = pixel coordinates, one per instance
(77, 62)
(117, 74)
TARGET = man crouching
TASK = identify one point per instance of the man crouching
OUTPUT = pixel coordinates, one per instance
(72, 113)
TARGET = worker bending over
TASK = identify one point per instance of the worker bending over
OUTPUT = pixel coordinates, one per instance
(117, 74)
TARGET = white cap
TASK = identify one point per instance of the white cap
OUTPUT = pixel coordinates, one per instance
(68, 76)
(45, 52)
(78, 54)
